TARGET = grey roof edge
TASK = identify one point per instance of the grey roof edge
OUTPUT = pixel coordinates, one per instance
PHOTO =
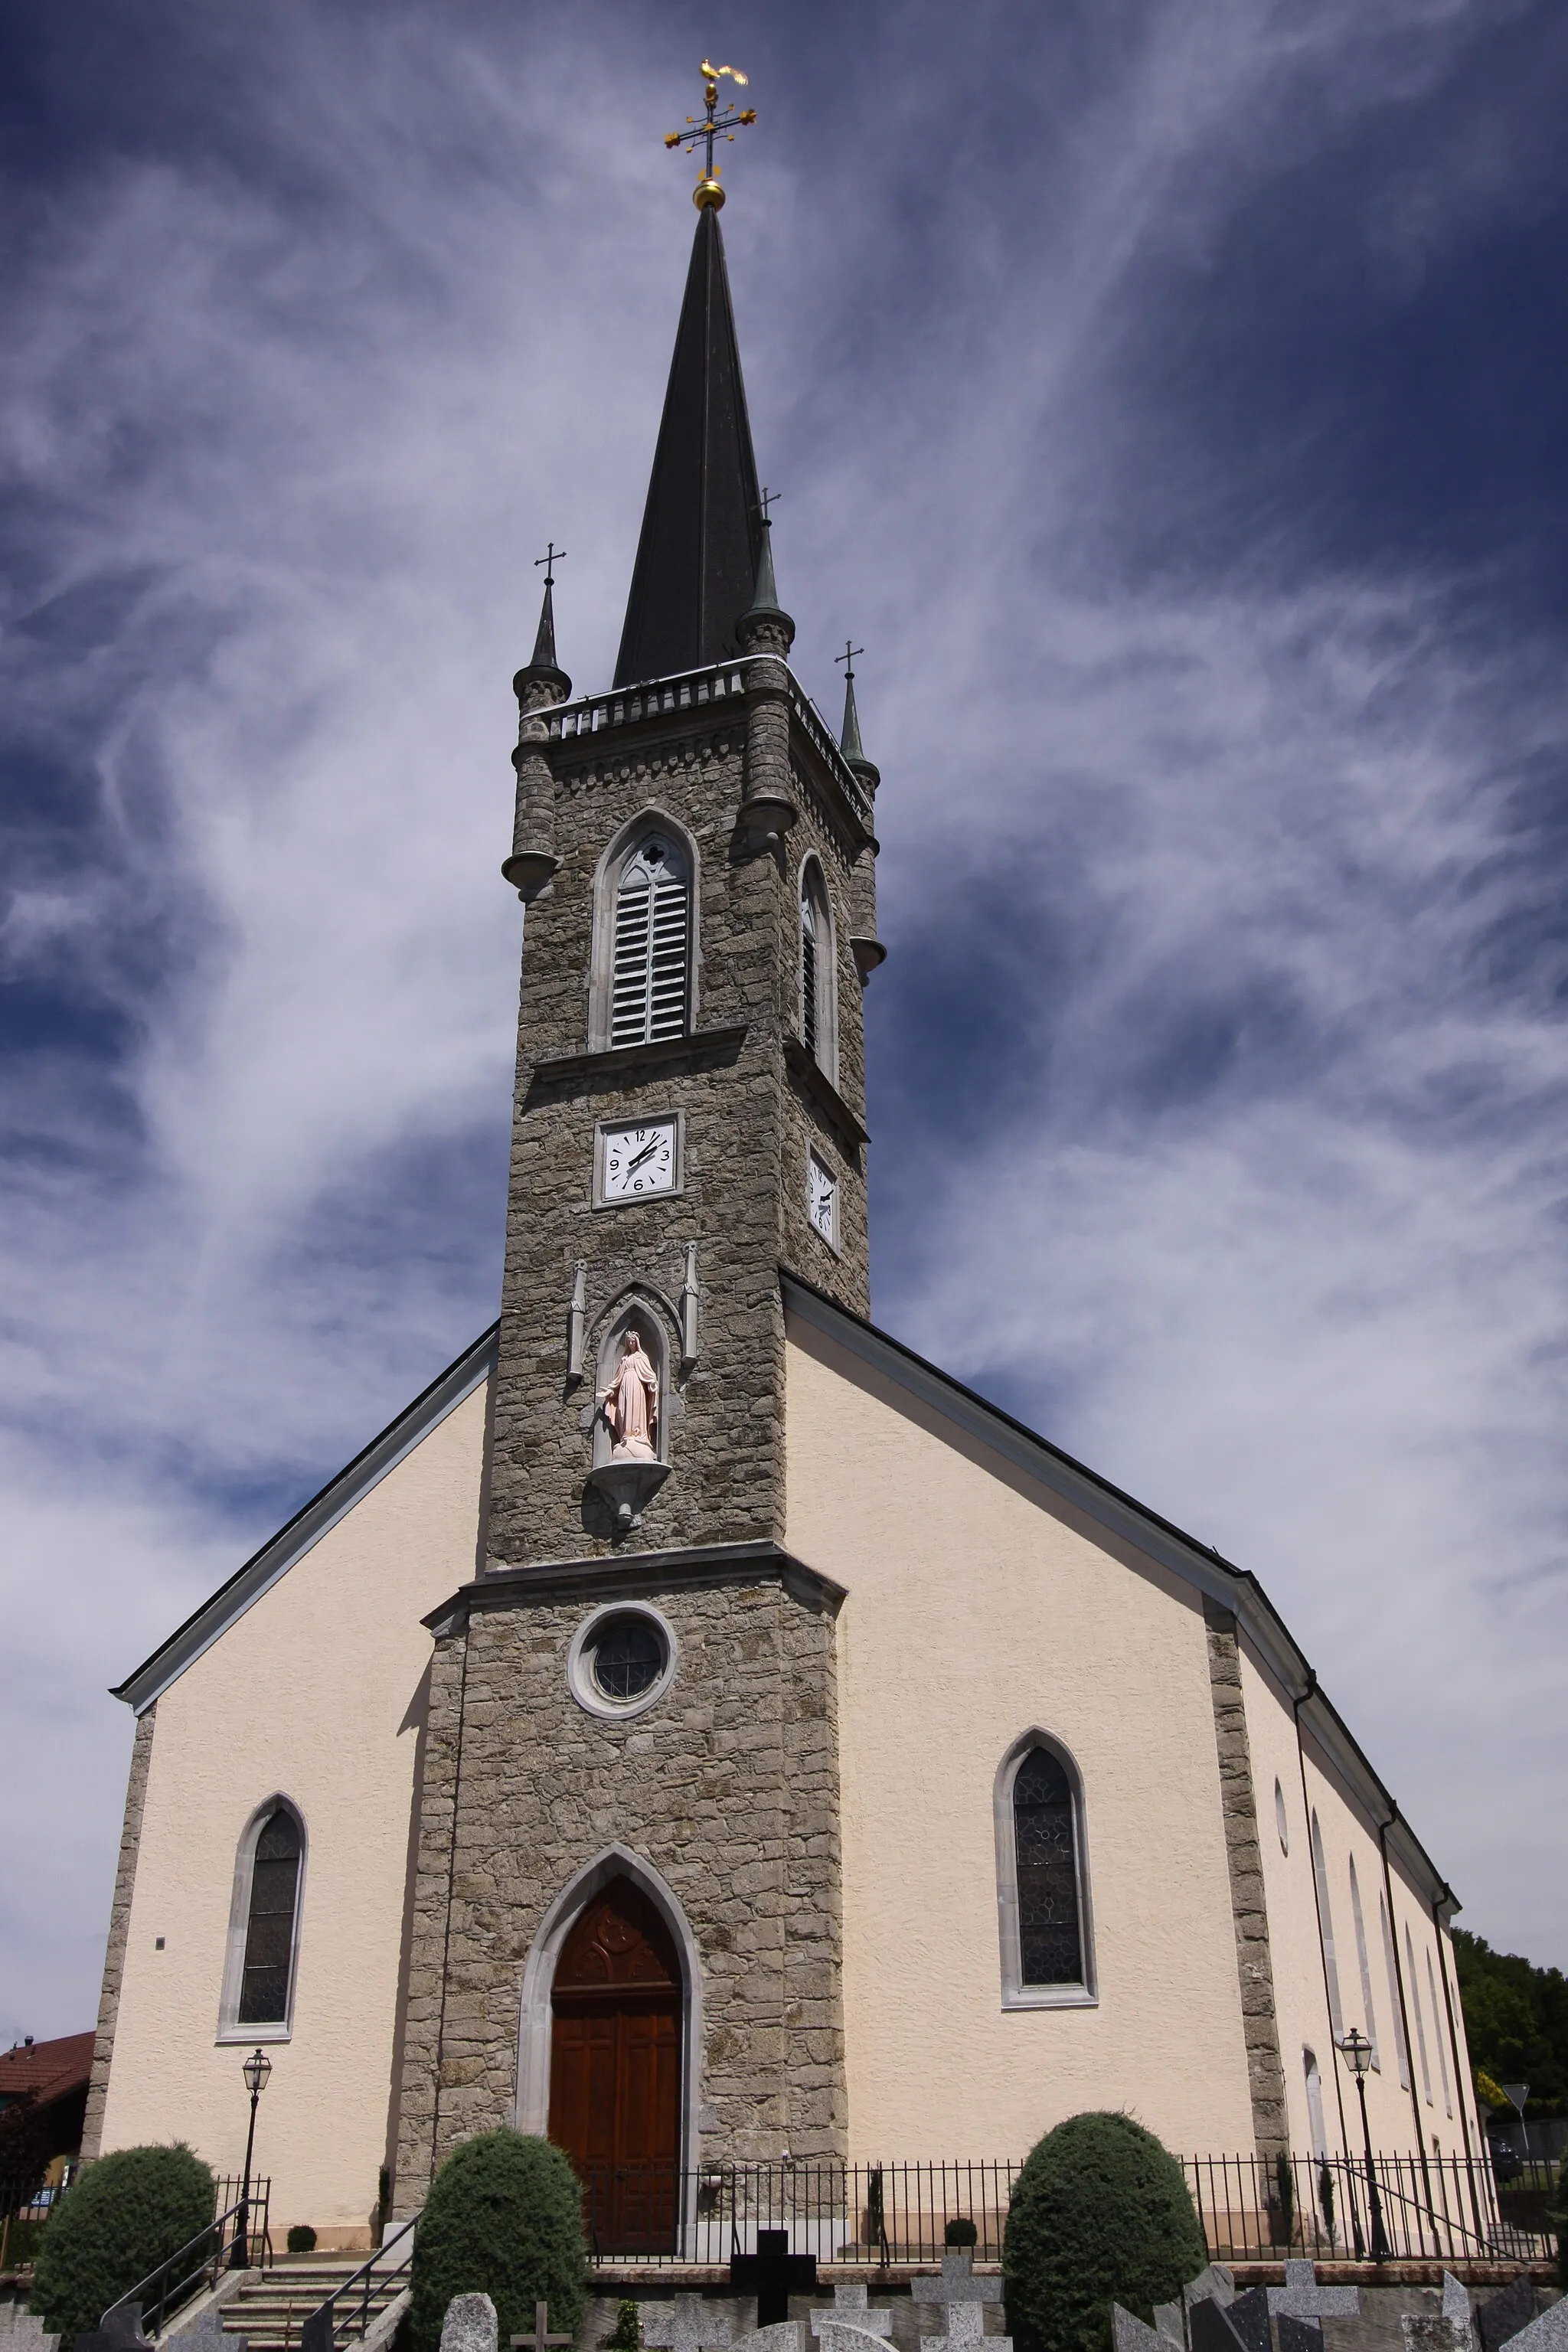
(206, 1625)
(1236, 1588)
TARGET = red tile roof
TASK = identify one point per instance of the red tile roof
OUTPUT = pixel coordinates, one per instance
(49, 2069)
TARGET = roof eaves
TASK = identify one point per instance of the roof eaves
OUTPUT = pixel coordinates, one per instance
(1199, 1564)
(449, 1389)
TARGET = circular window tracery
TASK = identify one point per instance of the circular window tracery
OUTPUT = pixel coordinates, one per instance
(622, 1660)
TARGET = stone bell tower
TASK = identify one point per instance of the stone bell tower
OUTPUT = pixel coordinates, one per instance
(696, 853)
(630, 1751)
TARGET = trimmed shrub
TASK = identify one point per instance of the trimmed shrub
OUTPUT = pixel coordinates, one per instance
(960, 2231)
(117, 2222)
(627, 2333)
(1100, 2214)
(504, 2217)
(301, 2239)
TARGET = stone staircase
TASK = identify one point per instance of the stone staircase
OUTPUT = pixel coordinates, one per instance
(273, 2305)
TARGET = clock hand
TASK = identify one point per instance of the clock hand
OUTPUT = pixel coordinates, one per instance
(645, 1153)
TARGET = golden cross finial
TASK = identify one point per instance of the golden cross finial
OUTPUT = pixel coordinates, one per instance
(713, 125)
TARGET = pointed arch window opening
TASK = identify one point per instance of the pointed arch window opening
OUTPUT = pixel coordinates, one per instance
(651, 982)
(1369, 2023)
(1326, 1929)
(261, 1968)
(1042, 1880)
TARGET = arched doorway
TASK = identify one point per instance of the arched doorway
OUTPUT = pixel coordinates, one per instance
(614, 2068)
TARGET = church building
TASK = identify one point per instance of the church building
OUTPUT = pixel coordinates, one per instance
(698, 1727)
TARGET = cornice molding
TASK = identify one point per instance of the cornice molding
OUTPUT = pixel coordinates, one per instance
(699, 1049)
(822, 1091)
(623, 1575)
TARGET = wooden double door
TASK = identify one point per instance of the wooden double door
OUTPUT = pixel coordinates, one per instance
(614, 2070)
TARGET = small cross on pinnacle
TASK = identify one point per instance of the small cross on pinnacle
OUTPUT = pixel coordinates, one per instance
(550, 558)
(847, 658)
(769, 498)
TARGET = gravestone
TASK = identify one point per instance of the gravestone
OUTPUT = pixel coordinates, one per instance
(121, 2332)
(1294, 2335)
(783, 2336)
(540, 2338)
(1130, 2334)
(470, 2325)
(1209, 2328)
(1457, 2300)
(1547, 2333)
(1504, 2316)
(957, 2286)
(850, 2310)
(772, 2274)
(688, 2323)
(1214, 2283)
(1248, 2315)
(1303, 2298)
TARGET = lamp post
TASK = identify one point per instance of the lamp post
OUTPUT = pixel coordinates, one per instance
(255, 2070)
(1356, 2051)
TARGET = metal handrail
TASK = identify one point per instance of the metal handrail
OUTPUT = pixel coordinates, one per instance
(319, 2332)
(213, 2261)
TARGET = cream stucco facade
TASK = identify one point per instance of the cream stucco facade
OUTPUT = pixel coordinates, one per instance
(990, 1591)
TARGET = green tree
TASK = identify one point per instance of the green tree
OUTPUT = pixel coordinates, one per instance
(116, 2222)
(1516, 2021)
(504, 2217)
(1099, 2214)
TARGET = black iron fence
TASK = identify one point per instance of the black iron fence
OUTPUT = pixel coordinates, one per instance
(351, 2310)
(1428, 2208)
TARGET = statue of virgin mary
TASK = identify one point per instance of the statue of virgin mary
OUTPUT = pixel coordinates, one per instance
(631, 1402)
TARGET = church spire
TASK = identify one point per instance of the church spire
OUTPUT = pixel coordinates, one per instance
(703, 537)
(849, 733)
(544, 680)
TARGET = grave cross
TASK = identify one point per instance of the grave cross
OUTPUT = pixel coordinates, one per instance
(849, 2311)
(686, 2323)
(963, 2296)
(540, 2337)
(773, 2273)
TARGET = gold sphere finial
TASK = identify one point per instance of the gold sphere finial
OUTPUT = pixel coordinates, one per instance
(708, 192)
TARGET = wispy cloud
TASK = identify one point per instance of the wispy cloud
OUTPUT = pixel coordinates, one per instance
(1218, 1067)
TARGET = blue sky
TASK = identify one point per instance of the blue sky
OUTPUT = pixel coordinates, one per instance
(1171, 402)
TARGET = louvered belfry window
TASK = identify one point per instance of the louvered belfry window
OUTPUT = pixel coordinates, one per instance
(1045, 1830)
(653, 946)
(269, 1929)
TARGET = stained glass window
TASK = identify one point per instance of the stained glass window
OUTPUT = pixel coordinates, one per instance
(1045, 1832)
(269, 1934)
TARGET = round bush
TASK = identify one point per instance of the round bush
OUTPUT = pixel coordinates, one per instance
(960, 2231)
(504, 2217)
(1100, 2214)
(117, 2222)
(301, 2239)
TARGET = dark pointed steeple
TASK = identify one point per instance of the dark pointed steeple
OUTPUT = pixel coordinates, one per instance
(701, 543)
(544, 641)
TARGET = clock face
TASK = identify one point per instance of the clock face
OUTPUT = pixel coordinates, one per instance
(823, 1199)
(639, 1162)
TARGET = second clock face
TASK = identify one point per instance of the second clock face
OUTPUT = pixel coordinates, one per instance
(639, 1161)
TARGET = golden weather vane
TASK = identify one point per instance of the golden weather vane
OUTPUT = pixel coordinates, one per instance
(713, 126)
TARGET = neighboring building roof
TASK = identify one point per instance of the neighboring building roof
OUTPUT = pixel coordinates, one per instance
(1236, 1588)
(696, 567)
(309, 1525)
(45, 2071)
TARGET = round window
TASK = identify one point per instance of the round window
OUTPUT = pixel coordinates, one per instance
(622, 1660)
(627, 1657)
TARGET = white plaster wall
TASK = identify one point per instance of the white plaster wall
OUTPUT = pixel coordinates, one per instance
(317, 1691)
(1400, 2123)
(978, 1607)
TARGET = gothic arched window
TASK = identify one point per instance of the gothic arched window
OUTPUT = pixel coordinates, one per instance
(650, 986)
(264, 1926)
(1046, 1946)
(818, 1023)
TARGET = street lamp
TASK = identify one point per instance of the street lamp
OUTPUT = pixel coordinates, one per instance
(1356, 2051)
(255, 2071)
